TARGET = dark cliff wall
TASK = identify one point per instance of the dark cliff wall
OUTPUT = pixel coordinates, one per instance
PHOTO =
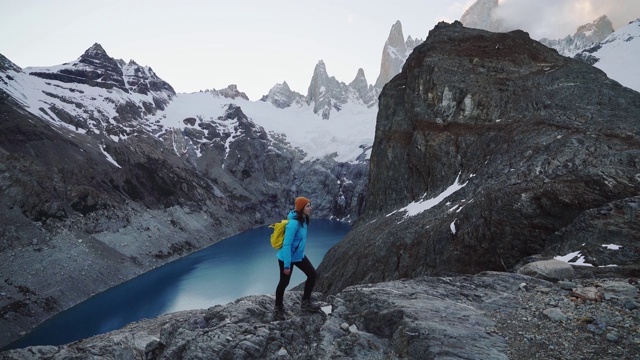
(536, 139)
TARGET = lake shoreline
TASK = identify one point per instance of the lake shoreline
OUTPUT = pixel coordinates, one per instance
(185, 264)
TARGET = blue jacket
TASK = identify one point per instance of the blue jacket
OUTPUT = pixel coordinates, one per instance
(295, 239)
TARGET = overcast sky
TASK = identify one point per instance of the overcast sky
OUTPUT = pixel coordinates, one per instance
(205, 44)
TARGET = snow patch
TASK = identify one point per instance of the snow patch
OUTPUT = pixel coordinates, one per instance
(612, 246)
(109, 158)
(420, 206)
(567, 258)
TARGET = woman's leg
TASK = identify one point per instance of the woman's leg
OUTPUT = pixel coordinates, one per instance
(308, 269)
(282, 285)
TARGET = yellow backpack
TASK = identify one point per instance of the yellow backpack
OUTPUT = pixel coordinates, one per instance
(277, 237)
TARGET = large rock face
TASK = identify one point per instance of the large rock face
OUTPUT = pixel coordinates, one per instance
(491, 147)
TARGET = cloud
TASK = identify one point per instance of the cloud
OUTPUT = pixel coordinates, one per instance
(556, 19)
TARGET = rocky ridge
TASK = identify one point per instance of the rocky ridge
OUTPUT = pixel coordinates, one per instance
(327, 94)
(489, 315)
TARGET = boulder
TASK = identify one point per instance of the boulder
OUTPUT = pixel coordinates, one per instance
(551, 270)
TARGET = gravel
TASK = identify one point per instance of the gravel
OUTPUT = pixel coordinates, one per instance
(558, 322)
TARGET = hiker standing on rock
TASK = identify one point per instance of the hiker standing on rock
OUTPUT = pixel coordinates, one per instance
(292, 253)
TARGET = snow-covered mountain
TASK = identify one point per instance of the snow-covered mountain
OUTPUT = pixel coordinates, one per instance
(586, 36)
(99, 94)
(617, 55)
(94, 93)
(395, 52)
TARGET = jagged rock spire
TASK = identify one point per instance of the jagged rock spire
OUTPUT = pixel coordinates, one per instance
(480, 16)
(362, 89)
(394, 54)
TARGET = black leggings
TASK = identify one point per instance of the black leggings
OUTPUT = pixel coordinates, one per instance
(307, 268)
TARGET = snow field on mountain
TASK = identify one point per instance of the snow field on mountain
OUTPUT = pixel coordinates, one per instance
(619, 56)
(346, 134)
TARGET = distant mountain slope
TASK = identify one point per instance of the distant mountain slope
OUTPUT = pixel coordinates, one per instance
(618, 55)
(585, 37)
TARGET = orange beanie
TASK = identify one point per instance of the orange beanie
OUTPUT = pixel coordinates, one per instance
(301, 202)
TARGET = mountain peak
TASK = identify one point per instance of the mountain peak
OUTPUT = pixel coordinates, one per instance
(585, 37)
(396, 37)
(599, 28)
(95, 49)
(395, 52)
(320, 66)
(281, 96)
(230, 92)
(480, 16)
(6, 64)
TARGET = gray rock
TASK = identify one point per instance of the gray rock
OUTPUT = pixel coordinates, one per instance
(619, 290)
(551, 270)
(629, 304)
(566, 285)
(555, 314)
(612, 337)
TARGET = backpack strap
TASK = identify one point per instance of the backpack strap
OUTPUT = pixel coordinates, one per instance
(296, 249)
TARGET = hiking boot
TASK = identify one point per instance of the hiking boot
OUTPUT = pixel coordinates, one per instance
(307, 305)
(279, 313)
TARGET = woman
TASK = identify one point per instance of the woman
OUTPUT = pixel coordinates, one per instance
(292, 253)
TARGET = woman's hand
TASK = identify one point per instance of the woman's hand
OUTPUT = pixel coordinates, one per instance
(287, 272)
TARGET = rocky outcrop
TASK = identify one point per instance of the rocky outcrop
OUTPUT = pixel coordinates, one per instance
(394, 54)
(499, 147)
(486, 316)
(605, 236)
